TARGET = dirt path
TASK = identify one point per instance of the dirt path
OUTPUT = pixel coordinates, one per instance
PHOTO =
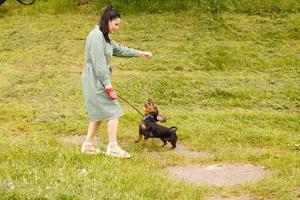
(221, 174)
(218, 174)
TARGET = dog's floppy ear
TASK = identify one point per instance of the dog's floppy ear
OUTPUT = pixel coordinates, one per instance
(161, 118)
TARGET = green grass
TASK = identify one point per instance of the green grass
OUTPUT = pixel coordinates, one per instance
(229, 82)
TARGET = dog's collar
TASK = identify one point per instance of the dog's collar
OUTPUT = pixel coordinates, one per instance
(148, 116)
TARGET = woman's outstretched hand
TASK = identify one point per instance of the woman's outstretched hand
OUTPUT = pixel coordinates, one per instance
(145, 54)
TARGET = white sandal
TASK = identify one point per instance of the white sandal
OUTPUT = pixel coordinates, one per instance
(116, 151)
(89, 148)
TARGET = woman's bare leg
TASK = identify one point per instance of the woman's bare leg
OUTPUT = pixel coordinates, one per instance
(92, 130)
(112, 128)
(87, 145)
(113, 148)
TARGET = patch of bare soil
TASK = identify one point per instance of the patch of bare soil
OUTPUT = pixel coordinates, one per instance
(296, 193)
(218, 174)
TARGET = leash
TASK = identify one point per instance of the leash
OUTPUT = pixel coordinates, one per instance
(126, 102)
(130, 75)
(131, 105)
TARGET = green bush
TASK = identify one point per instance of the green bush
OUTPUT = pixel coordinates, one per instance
(213, 6)
(260, 7)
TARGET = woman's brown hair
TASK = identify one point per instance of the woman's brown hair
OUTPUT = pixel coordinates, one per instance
(108, 14)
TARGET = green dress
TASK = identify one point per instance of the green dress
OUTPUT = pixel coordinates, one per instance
(98, 54)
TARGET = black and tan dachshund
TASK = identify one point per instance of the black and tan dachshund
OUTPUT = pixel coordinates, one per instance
(150, 129)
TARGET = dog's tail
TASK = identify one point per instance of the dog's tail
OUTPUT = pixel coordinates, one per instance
(173, 128)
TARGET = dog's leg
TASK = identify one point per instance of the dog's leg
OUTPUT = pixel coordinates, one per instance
(173, 140)
(164, 142)
(146, 137)
(145, 141)
(138, 139)
(142, 129)
(173, 136)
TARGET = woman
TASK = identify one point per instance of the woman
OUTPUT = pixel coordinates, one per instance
(99, 96)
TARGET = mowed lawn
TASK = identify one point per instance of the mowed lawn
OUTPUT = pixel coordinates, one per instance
(229, 82)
